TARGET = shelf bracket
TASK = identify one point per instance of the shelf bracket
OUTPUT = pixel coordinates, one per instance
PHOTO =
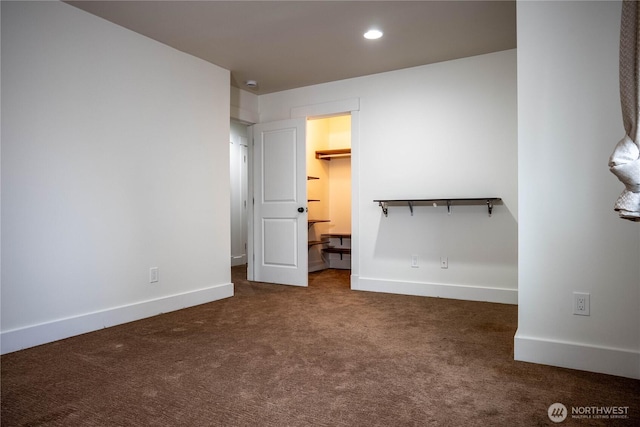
(449, 207)
(490, 206)
(384, 207)
(410, 206)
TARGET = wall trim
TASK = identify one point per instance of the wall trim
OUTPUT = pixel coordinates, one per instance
(326, 108)
(238, 260)
(317, 266)
(437, 290)
(355, 281)
(565, 354)
(31, 336)
(243, 115)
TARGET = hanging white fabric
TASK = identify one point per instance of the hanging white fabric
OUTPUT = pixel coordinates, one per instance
(625, 160)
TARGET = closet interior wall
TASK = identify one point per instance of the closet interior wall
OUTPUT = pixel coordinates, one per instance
(330, 194)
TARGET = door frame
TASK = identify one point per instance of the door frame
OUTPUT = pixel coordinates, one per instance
(346, 106)
(240, 144)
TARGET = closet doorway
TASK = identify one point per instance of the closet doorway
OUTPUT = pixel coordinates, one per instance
(238, 167)
(282, 161)
(328, 144)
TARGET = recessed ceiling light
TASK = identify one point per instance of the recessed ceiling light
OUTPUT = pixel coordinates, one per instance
(373, 34)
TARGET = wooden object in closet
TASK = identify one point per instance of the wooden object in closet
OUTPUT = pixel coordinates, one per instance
(311, 222)
(329, 154)
(339, 243)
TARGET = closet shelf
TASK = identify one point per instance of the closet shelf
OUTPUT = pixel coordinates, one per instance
(341, 251)
(309, 178)
(329, 154)
(340, 236)
(384, 204)
(333, 250)
(317, 242)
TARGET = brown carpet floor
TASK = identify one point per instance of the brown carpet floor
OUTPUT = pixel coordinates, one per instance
(318, 356)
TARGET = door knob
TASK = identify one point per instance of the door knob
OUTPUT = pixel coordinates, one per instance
(300, 210)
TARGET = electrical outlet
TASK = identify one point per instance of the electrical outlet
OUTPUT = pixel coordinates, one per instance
(414, 261)
(154, 275)
(581, 303)
(444, 262)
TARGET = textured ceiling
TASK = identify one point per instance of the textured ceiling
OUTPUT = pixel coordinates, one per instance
(290, 44)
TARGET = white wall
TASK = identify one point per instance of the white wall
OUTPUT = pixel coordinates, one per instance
(340, 176)
(442, 130)
(244, 105)
(570, 237)
(115, 159)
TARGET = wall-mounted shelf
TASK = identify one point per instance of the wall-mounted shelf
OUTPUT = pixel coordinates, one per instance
(329, 154)
(341, 251)
(309, 178)
(384, 204)
(340, 236)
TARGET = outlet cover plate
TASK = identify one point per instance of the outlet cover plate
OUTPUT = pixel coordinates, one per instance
(414, 261)
(582, 303)
(154, 275)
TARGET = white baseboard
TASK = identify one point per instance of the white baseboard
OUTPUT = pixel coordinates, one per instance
(317, 266)
(30, 336)
(604, 360)
(238, 260)
(463, 292)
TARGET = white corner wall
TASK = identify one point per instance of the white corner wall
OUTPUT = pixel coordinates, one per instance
(441, 130)
(115, 159)
(570, 238)
(244, 105)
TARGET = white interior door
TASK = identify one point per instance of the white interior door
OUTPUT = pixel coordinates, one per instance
(280, 197)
